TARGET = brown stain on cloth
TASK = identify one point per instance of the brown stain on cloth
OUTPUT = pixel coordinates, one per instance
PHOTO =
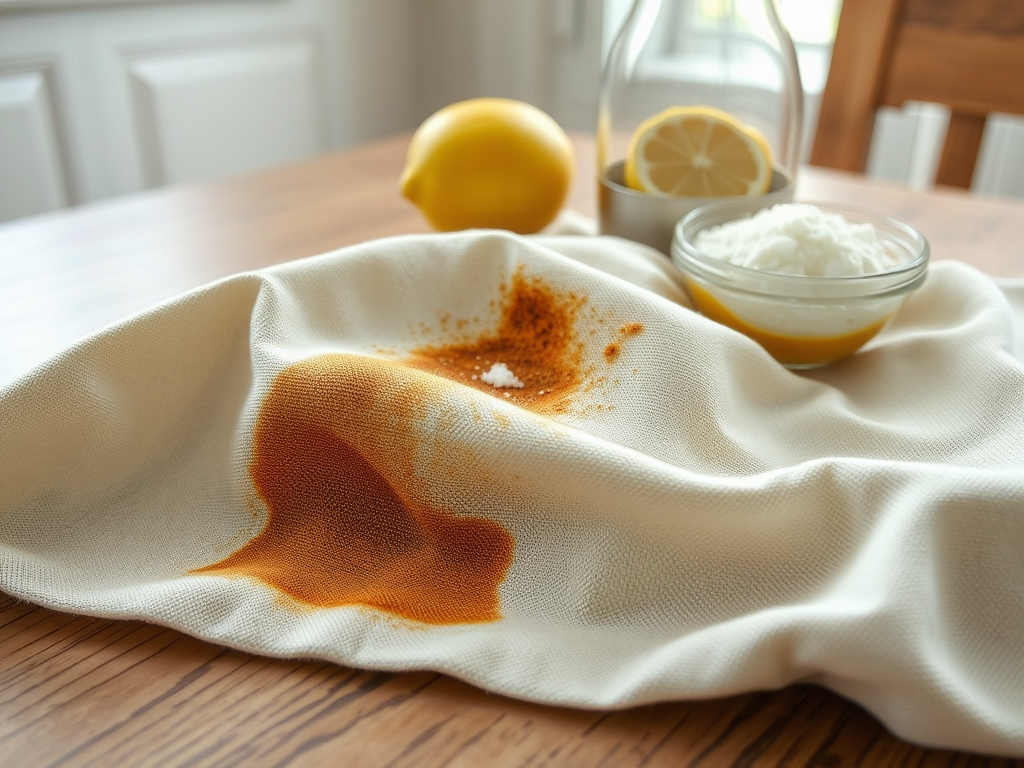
(337, 452)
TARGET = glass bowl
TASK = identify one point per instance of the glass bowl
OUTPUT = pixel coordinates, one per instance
(802, 321)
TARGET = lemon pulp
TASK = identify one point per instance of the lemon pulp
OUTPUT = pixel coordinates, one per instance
(698, 152)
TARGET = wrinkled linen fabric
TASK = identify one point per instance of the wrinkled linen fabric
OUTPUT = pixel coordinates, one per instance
(702, 523)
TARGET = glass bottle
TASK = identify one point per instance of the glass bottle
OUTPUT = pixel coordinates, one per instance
(732, 55)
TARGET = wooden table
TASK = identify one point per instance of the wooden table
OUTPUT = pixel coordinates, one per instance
(80, 691)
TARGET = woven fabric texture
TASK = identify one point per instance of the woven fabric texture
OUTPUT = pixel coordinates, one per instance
(309, 461)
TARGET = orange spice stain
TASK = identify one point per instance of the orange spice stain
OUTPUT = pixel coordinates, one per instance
(335, 448)
(614, 349)
(535, 338)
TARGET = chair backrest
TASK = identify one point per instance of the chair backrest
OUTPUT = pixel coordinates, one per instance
(966, 54)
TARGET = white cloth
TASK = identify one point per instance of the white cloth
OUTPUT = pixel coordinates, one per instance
(699, 522)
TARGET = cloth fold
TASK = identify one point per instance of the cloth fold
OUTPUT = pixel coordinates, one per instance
(305, 461)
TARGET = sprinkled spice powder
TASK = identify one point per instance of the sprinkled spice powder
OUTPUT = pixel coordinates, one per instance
(613, 350)
(335, 437)
(535, 338)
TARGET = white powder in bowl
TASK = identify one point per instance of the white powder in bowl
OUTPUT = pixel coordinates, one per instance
(797, 239)
(500, 376)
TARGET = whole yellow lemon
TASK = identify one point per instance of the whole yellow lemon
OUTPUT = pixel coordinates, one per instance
(493, 163)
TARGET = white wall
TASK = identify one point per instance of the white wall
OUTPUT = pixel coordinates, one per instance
(546, 52)
(380, 63)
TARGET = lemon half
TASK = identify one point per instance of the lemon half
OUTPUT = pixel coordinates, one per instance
(494, 163)
(698, 152)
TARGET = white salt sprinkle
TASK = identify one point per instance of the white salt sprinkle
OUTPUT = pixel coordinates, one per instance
(500, 376)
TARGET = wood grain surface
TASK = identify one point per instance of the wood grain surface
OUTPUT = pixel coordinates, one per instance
(967, 56)
(82, 691)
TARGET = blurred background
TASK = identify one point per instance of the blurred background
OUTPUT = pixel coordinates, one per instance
(100, 98)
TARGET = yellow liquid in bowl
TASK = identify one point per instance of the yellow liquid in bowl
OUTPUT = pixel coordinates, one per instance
(796, 351)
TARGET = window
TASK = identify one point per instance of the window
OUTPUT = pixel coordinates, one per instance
(811, 24)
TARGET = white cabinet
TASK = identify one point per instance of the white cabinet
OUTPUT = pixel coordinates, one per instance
(108, 99)
(33, 173)
(218, 110)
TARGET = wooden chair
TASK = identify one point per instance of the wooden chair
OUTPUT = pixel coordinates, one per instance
(966, 54)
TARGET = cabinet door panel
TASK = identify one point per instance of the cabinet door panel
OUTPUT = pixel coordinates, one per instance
(32, 177)
(205, 113)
